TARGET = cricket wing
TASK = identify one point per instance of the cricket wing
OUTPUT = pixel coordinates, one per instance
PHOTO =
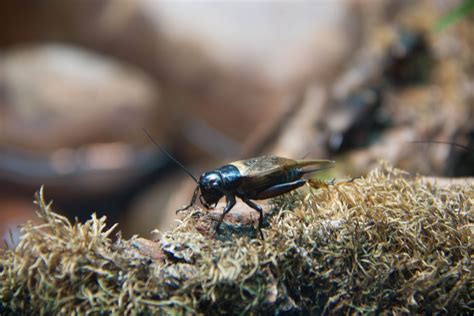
(311, 162)
(262, 166)
(266, 165)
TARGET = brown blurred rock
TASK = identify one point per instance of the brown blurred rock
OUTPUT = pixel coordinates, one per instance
(256, 61)
(155, 208)
(229, 73)
(229, 83)
(299, 136)
(58, 96)
(72, 120)
(13, 213)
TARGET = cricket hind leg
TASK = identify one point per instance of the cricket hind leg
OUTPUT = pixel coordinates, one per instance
(259, 209)
(279, 189)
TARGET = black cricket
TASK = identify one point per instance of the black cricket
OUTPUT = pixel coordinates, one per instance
(251, 179)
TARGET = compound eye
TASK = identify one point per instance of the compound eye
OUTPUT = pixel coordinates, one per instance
(212, 182)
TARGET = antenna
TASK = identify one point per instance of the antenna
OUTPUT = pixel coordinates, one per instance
(441, 142)
(169, 156)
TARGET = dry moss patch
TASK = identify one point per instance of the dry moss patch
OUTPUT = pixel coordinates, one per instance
(382, 243)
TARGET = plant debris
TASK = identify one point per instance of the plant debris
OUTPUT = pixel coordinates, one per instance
(385, 242)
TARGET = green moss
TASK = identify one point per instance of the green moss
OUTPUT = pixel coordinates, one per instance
(382, 243)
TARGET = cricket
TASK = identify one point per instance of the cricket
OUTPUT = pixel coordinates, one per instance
(251, 179)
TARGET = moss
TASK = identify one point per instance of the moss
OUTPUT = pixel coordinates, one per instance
(382, 243)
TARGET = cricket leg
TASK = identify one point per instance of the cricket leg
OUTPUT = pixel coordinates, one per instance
(318, 184)
(259, 209)
(230, 204)
(279, 189)
(193, 200)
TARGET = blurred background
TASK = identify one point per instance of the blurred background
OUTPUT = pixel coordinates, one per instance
(355, 81)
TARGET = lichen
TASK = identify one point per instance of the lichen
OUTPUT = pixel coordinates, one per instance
(386, 242)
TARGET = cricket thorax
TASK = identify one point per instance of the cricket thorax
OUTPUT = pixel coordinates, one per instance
(231, 177)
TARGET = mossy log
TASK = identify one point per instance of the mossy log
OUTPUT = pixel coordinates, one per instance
(383, 243)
